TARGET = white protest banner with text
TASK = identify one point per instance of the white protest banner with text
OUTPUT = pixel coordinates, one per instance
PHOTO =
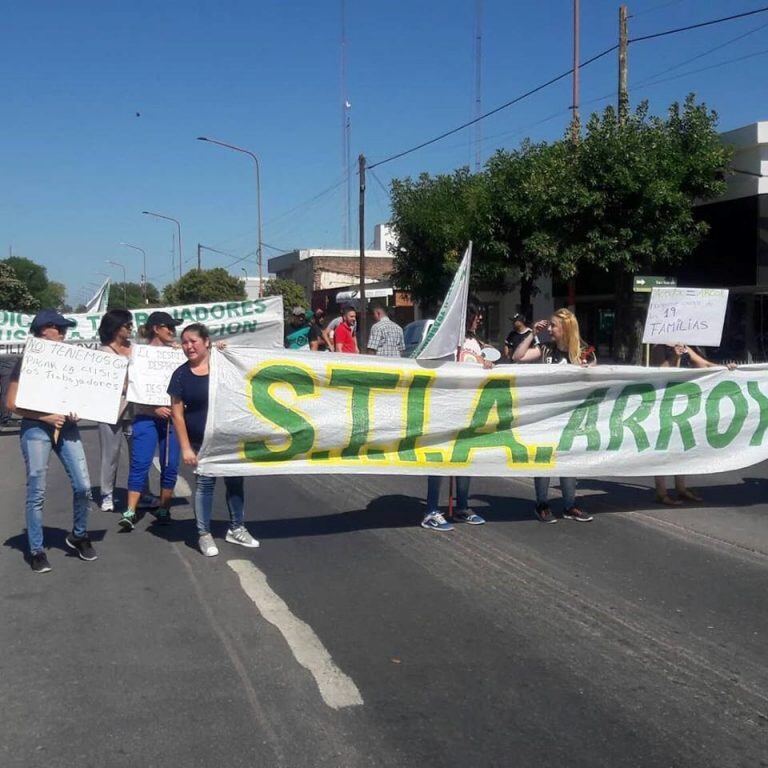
(686, 316)
(150, 371)
(302, 413)
(61, 378)
(256, 322)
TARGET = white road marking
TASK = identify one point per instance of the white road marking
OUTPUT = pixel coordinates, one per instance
(337, 689)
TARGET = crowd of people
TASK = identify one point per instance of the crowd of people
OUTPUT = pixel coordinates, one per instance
(176, 432)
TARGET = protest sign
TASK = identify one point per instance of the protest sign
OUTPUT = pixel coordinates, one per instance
(61, 378)
(299, 413)
(686, 316)
(257, 322)
(150, 371)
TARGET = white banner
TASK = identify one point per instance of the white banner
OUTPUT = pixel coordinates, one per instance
(686, 316)
(150, 371)
(62, 378)
(254, 322)
(300, 413)
(449, 329)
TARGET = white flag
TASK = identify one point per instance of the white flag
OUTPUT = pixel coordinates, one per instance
(449, 329)
(100, 299)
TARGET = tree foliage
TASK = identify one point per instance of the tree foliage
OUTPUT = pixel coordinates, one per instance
(118, 292)
(291, 291)
(35, 278)
(205, 286)
(621, 198)
(14, 295)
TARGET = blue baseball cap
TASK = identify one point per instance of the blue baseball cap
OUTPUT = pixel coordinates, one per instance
(50, 317)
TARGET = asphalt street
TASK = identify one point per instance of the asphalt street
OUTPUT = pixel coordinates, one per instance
(352, 637)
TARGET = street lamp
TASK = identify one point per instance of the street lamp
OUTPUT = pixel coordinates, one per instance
(258, 196)
(144, 268)
(178, 226)
(125, 280)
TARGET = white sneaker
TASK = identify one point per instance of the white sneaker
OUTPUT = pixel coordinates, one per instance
(208, 545)
(107, 503)
(241, 536)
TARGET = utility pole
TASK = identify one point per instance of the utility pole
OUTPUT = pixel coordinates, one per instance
(362, 322)
(478, 83)
(623, 105)
(199, 258)
(575, 121)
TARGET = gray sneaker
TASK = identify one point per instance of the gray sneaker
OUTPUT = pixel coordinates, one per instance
(241, 536)
(208, 545)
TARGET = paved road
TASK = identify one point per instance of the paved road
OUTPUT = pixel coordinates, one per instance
(354, 638)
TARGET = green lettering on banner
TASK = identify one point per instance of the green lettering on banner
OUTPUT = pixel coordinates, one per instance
(485, 432)
(762, 404)
(201, 314)
(668, 419)
(732, 391)
(217, 311)
(233, 309)
(618, 422)
(186, 315)
(583, 423)
(259, 307)
(299, 432)
(361, 384)
(415, 416)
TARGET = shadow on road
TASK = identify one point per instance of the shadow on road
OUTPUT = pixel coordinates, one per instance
(54, 539)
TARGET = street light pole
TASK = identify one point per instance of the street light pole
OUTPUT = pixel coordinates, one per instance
(144, 269)
(258, 199)
(178, 226)
(125, 280)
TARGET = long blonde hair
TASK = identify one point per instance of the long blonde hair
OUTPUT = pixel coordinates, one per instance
(571, 335)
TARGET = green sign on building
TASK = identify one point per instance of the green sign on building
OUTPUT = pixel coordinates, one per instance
(646, 283)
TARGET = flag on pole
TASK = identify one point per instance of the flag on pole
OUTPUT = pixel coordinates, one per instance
(100, 299)
(449, 329)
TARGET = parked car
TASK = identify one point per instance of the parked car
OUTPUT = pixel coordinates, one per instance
(414, 333)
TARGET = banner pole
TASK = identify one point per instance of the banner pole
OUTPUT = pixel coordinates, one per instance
(450, 498)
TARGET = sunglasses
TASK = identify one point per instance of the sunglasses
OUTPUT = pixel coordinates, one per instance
(62, 329)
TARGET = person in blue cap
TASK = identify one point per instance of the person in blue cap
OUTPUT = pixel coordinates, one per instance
(40, 434)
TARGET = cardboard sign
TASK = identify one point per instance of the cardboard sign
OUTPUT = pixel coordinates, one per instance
(686, 316)
(62, 378)
(150, 371)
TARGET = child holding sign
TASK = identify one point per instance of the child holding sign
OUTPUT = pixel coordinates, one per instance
(40, 434)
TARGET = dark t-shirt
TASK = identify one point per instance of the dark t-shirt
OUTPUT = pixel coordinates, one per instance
(551, 354)
(514, 338)
(193, 392)
(297, 338)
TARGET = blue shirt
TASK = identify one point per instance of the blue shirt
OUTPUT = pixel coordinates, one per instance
(192, 390)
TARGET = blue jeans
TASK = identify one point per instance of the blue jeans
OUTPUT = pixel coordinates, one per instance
(433, 492)
(149, 433)
(567, 486)
(36, 447)
(204, 501)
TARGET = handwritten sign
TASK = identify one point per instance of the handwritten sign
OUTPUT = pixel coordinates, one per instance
(150, 371)
(61, 378)
(686, 316)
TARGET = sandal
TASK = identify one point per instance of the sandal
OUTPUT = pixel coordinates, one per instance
(668, 501)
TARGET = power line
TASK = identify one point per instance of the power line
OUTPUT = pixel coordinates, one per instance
(655, 8)
(701, 24)
(517, 99)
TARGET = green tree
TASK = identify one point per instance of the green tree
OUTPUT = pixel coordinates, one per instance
(14, 295)
(135, 296)
(291, 291)
(35, 277)
(205, 286)
(435, 217)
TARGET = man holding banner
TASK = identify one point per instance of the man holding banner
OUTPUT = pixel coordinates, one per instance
(40, 434)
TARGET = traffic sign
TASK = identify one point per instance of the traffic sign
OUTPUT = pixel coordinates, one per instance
(646, 283)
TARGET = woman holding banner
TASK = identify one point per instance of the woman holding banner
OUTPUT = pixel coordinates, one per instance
(471, 351)
(115, 335)
(566, 348)
(189, 408)
(152, 428)
(40, 434)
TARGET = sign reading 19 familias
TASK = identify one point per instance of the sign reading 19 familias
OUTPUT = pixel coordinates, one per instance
(686, 316)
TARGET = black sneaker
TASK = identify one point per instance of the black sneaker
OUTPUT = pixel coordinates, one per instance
(81, 545)
(574, 513)
(163, 516)
(39, 562)
(544, 514)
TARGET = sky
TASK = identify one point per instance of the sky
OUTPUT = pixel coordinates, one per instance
(102, 101)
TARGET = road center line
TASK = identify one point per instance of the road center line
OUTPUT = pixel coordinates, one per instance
(337, 689)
